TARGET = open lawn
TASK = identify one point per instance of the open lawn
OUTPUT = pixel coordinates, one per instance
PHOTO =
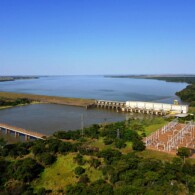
(99, 143)
(154, 127)
(61, 173)
(161, 156)
(156, 154)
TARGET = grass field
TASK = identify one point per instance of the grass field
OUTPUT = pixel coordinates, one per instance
(49, 99)
(156, 154)
(151, 128)
(61, 174)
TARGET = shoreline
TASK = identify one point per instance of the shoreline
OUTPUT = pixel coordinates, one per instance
(49, 99)
(186, 94)
(14, 78)
(32, 103)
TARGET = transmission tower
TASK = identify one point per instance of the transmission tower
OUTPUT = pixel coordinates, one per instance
(118, 133)
(82, 125)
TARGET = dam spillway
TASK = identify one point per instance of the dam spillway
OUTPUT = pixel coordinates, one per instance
(142, 107)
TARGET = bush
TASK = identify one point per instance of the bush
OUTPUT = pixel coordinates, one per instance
(110, 155)
(15, 150)
(46, 158)
(84, 179)
(65, 147)
(41, 191)
(75, 135)
(25, 170)
(94, 163)
(138, 145)
(79, 159)
(79, 171)
(108, 141)
(38, 148)
(183, 152)
(119, 143)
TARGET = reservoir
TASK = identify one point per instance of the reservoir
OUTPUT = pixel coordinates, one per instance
(98, 87)
(48, 118)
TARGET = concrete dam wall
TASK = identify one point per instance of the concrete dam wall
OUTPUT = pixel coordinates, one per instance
(143, 107)
(157, 106)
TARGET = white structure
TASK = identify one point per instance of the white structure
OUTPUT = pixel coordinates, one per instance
(157, 106)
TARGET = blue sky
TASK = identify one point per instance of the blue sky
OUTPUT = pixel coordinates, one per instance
(59, 37)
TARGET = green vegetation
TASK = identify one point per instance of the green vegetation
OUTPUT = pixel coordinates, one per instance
(107, 159)
(188, 94)
(4, 102)
(184, 152)
(179, 79)
(79, 171)
(169, 78)
(46, 99)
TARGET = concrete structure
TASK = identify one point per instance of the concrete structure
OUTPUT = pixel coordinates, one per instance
(143, 107)
(172, 136)
(157, 106)
(19, 131)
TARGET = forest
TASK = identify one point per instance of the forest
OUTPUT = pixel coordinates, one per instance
(188, 94)
(101, 159)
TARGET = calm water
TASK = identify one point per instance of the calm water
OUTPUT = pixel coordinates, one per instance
(97, 87)
(48, 118)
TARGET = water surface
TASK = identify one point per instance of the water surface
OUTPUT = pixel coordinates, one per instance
(48, 118)
(97, 87)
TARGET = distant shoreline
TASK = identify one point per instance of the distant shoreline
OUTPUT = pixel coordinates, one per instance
(169, 78)
(187, 94)
(13, 78)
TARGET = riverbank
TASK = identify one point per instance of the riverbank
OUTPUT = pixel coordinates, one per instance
(6, 107)
(48, 99)
(186, 95)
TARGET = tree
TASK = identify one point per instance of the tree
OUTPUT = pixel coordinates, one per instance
(41, 191)
(100, 187)
(46, 158)
(138, 145)
(77, 189)
(15, 187)
(2, 142)
(183, 152)
(64, 147)
(79, 170)
(25, 170)
(94, 163)
(119, 143)
(79, 159)
(108, 141)
(110, 155)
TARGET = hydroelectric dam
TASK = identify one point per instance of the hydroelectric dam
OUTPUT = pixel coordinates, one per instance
(143, 107)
